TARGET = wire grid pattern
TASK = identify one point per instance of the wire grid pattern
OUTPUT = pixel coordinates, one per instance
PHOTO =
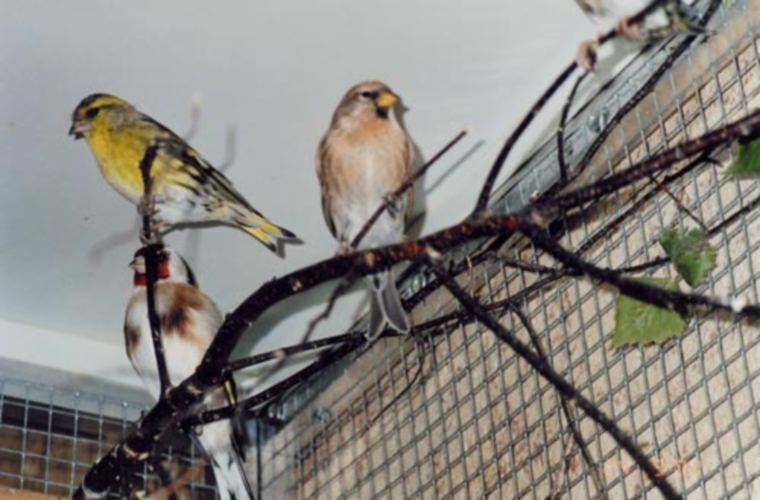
(50, 437)
(479, 423)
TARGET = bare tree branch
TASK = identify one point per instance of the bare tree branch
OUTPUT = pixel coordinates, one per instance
(567, 390)
(408, 183)
(151, 267)
(551, 208)
(175, 402)
(485, 192)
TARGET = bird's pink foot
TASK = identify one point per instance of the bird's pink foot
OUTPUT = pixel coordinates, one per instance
(150, 239)
(586, 56)
(391, 201)
(345, 248)
(155, 234)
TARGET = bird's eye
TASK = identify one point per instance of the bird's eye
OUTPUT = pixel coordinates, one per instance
(367, 94)
(92, 113)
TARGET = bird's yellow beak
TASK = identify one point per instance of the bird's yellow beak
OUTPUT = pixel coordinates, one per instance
(79, 129)
(385, 100)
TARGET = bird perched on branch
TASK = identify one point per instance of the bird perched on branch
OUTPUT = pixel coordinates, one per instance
(188, 322)
(185, 187)
(672, 16)
(365, 156)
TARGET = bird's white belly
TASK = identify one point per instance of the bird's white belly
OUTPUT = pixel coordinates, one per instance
(177, 205)
(181, 360)
(366, 194)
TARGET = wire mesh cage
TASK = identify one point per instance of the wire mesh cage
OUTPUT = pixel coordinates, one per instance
(50, 437)
(459, 415)
(453, 412)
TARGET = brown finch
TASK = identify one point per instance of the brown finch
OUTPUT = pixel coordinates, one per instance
(189, 321)
(671, 16)
(363, 157)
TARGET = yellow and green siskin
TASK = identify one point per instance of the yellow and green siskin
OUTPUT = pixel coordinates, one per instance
(186, 188)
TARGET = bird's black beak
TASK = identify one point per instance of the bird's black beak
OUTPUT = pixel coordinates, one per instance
(78, 129)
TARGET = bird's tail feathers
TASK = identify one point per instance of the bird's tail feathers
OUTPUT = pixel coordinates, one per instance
(226, 461)
(231, 481)
(263, 230)
(385, 306)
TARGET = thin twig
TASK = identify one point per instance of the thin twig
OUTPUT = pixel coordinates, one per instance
(404, 391)
(659, 187)
(508, 261)
(485, 192)
(277, 390)
(345, 283)
(549, 209)
(408, 183)
(592, 240)
(313, 345)
(595, 472)
(230, 149)
(660, 297)
(645, 89)
(196, 105)
(641, 200)
(563, 174)
(151, 271)
(564, 388)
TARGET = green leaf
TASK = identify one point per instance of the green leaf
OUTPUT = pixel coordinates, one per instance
(746, 160)
(690, 252)
(639, 323)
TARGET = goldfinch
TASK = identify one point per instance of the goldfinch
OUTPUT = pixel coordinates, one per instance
(672, 16)
(186, 188)
(189, 321)
(365, 156)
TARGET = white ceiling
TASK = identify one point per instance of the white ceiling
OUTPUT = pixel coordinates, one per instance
(272, 70)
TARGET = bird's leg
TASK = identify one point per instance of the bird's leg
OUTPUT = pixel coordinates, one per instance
(147, 204)
(586, 56)
(345, 248)
(155, 233)
(391, 201)
(146, 207)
